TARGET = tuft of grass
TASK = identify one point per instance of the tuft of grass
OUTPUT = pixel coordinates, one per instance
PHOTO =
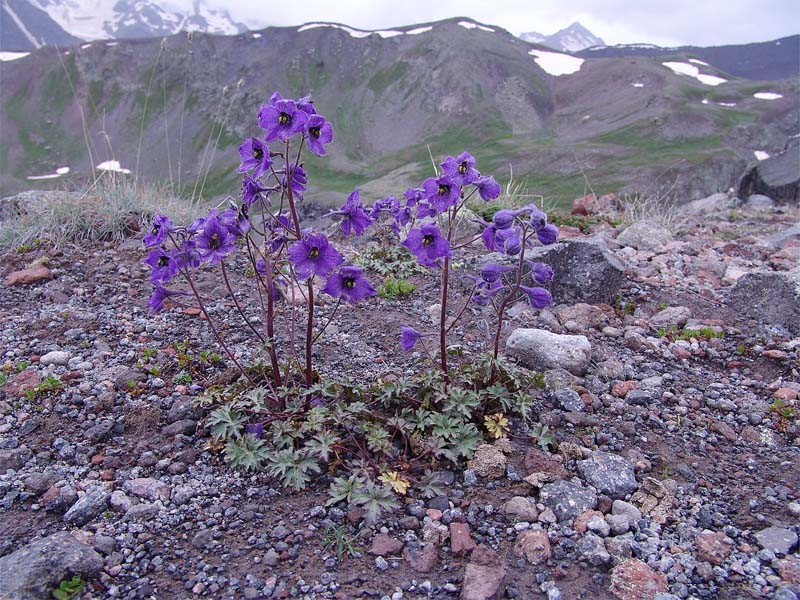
(112, 209)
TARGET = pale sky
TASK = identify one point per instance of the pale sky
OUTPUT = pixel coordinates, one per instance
(678, 22)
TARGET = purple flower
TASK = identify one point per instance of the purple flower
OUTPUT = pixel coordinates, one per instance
(538, 218)
(488, 188)
(508, 241)
(255, 155)
(163, 263)
(187, 255)
(255, 429)
(318, 132)
(539, 297)
(160, 293)
(491, 272)
(349, 285)
(442, 192)
(427, 244)
(503, 219)
(299, 180)
(236, 220)
(251, 190)
(485, 291)
(306, 105)
(314, 255)
(215, 241)
(547, 234)
(414, 195)
(281, 120)
(462, 169)
(408, 337)
(354, 217)
(489, 238)
(162, 226)
(542, 273)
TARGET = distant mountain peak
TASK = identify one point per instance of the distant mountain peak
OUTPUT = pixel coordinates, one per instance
(573, 38)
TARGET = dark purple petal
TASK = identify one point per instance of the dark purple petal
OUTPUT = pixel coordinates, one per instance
(354, 218)
(318, 133)
(538, 218)
(442, 192)
(427, 244)
(215, 241)
(491, 272)
(539, 297)
(503, 219)
(164, 265)
(488, 188)
(255, 155)
(349, 284)
(542, 273)
(160, 293)
(548, 234)
(281, 120)
(408, 337)
(251, 190)
(462, 169)
(161, 227)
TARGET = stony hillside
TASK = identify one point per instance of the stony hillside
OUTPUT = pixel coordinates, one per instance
(177, 111)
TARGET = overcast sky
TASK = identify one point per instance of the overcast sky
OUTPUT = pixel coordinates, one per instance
(678, 22)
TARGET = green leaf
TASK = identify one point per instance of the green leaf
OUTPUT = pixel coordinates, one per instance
(344, 489)
(247, 452)
(225, 423)
(375, 499)
(293, 468)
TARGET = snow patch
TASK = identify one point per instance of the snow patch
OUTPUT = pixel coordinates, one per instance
(6, 56)
(62, 170)
(356, 33)
(637, 84)
(761, 155)
(111, 44)
(468, 25)
(682, 68)
(85, 46)
(699, 62)
(256, 36)
(727, 104)
(555, 63)
(389, 33)
(767, 95)
(112, 165)
(59, 172)
(705, 101)
(418, 30)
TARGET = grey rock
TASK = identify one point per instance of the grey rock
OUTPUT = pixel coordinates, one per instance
(567, 499)
(772, 298)
(644, 235)
(36, 569)
(618, 524)
(568, 399)
(777, 539)
(56, 357)
(39, 483)
(609, 473)
(120, 501)
(777, 177)
(672, 316)
(181, 409)
(712, 204)
(142, 512)
(184, 426)
(620, 507)
(584, 272)
(593, 550)
(203, 539)
(759, 203)
(87, 507)
(147, 487)
(271, 558)
(99, 432)
(777, 240)
(521, 508)
(14, 458)
(639, 397)
(539, 349)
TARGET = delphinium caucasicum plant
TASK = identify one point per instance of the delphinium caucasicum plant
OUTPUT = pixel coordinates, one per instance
(290, 259)
(291, 423)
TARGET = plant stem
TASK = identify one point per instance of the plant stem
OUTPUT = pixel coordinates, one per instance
(511, 294)
(310, 333)
(443, 317)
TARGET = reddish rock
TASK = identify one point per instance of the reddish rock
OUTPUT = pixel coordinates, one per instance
(483, 576)
(713, 547)
(534, 545)
(422, 560)
(634, 580)
(724, 430)
(789, 569)
(28, 276)
(751, 434)
(384, 545)
(621, 389)
(461, 542)
(785, 393)
(18, 384)
(581, 522)
(774, 354)
(537, 461)
(680, 353)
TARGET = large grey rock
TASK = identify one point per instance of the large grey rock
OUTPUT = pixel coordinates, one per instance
(567, 499)
(772, 298)
(539, 349)
(644, 235)
(777, 539)
(609, 473)
(672, 316)
(584, 271)
(779, 239)
(88, 506)
(777, 177)
(14, 458)
(759, 203)
(712, 204)
(33, 571)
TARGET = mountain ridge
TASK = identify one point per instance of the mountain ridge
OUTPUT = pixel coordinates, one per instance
(572, 38)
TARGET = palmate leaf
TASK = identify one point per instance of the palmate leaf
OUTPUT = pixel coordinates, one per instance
(461, 402)
(396, 481)
(225, 423)
(463, 441)
(443, 425)
(374, 499)
(246, 452)
(344, 489)
(293, 467)
(322, 445)
(431, 485)
(496, 425)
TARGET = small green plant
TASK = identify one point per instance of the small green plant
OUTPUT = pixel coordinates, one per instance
(49, 385)
(21, 366)
(703, 333)
(392, 288)
(337, 539)
(665, 473)
(663, 305)
(3, 378)
(395, 261)
(741, 349)
(543, 436)
(182, 378)
(69, 588)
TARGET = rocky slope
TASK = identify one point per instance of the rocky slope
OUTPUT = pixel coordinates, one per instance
(674, 472)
